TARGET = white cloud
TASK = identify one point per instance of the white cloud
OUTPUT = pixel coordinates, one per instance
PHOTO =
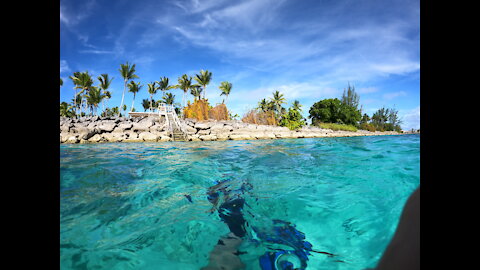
(248, 31)
(366, 90)
(71, 15)
(411, 119)
(390, 96)
(64, 66)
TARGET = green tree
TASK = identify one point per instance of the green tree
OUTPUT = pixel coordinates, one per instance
(169, 98)
(293, 119)
(105, 82)
(351, 114)
(350, 97)
(203, 79)
(94, 97)
(83, 81)
(61, 82)
(196, 91)
(185, 84)
(226, 88)
(66, 110)
(365, 119)
(147, 104)
(152, 90)
(297, 106)
(75, 97)
(277, 101)
(325, 111)
(263, 105)
(163, 85)
(128, 73)
(134, 88)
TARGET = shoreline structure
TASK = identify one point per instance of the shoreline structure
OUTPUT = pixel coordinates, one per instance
(154, 129)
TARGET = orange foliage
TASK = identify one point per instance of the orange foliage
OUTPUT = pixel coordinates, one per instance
(198, 110)
(260, 118)
(219, 112)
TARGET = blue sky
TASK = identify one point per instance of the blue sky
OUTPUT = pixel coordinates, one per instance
(307, 49)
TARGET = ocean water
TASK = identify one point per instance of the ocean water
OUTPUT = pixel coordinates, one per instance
(122, 205)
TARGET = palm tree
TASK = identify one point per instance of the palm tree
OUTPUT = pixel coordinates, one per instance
(94, 97)
(134, 88)
(225, 87)
(169, 98)
(203, 79)
(163, 85)
(152, 90)
(83, 80)
(66, 110)
(128, 73)
(297, 106)
(146, 104)
(263, 105)
(104, 85)
(75, 97)
(184, 83)
(76, 103)
(196, 91)
(277, 102)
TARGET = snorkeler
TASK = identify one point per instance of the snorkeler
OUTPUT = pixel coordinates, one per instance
(225, 254)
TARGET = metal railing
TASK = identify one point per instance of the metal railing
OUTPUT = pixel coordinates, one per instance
(167, 109)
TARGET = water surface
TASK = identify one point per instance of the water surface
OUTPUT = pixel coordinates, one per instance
(122, 205)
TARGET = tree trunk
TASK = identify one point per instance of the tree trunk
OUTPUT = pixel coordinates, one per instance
(123, 95)
(131, 109)
(151, 101)
(75, 103)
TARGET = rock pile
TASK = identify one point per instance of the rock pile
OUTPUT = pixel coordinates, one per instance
(152, 129)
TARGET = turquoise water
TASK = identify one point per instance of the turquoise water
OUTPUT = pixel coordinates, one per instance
(122, 205)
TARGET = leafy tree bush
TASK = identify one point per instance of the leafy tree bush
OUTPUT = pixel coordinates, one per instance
(66, 110)
(293, 119)
(334, 111)
(385, 119)
(326, 111)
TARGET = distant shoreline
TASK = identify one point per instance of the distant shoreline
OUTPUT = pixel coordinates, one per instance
(153, 129)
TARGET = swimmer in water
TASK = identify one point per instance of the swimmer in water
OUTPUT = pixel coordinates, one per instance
(225, 254)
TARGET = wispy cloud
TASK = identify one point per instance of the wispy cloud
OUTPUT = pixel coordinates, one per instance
(64, 66)
(308, 50)
(410, 119)
(392, 95)
(357, 52)
(75, 12)
(97, 51)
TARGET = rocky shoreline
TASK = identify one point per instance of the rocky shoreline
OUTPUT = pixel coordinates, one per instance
(154, 129)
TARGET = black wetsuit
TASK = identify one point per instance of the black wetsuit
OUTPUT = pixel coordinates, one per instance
(230, 211)
(233, 216)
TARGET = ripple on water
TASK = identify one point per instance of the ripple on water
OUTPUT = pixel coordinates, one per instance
(123, 205)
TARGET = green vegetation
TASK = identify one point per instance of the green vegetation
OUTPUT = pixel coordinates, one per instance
(337, 111)
(332, 113)
(334, 126)
(128, 73)
(273, 113)
(225, 87)
(346, 114)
